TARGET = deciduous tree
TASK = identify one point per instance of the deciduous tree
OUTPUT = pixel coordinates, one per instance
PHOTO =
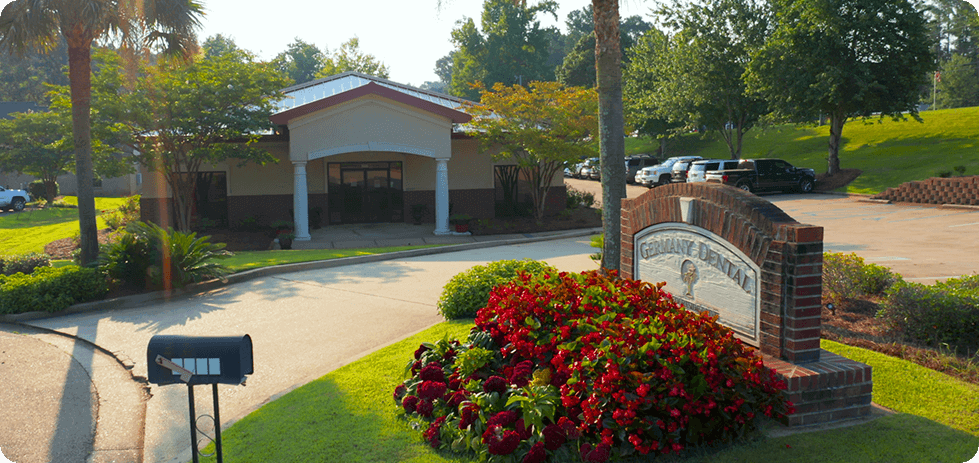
(190, 115)
(301, 61)
(540, 127)
(843, 59)
(349, 58)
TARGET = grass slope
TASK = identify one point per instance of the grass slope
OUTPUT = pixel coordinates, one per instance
(349, 415)
(29, 231)
(246, 260)
(888, 152)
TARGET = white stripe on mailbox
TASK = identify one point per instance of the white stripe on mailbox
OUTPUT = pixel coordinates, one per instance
(202, 366)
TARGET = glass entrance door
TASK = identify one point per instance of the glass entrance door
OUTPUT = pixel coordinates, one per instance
(365, 192)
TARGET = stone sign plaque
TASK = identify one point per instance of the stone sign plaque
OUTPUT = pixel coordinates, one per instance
(704, 272)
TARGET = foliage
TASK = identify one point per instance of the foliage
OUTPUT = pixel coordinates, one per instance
(190, 115)
(846, 276)
(467, 292)
(349, 58)
(50, 289)
(587, 367)
(38, 144)
(958, 83)
(37, 189)
(28, 27)
(946, 313)
(697, 73)
(641, 82)
(578, 67)
(843, 59)
(300, 61)
(26, 78)
(578, 198)
(540, 127)
(511, 48)
(147, 256)
(23, 263)
(126, 213)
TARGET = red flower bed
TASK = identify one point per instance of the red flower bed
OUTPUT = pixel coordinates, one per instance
(589, 367)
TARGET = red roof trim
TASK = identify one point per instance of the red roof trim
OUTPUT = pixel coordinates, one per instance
(370, 88)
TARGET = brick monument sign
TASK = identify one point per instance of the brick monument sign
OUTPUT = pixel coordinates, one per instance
(742, 259)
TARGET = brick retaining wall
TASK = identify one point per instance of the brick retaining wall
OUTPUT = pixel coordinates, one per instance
(952, 190)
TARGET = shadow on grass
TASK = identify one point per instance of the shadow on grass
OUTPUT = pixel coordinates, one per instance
(349, 416)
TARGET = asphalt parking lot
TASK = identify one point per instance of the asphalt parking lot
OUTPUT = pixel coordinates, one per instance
(923, 243)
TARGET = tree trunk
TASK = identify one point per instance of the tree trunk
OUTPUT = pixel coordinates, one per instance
(836, 121)
(80, 78)
(608, 72)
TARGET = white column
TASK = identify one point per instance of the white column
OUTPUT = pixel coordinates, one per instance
(442, 197)
(300, 201)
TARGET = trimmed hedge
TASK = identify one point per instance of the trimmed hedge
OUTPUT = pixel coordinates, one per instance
(50, 289)
(946, 313)
(24, 263)
(467, 292)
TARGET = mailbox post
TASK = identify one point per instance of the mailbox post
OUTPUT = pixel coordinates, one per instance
(193, 360)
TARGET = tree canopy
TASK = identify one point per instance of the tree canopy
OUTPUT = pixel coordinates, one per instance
(540, 127)
(843, 59)
(188, 115)
(578, 66)
(349, 58)
(510, 48)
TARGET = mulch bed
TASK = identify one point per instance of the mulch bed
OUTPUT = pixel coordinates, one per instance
(826, 182)
(853, 323)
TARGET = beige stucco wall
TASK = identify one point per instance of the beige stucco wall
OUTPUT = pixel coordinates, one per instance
(370, 123)
(126, 185)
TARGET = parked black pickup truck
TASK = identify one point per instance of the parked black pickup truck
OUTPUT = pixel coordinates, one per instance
(766, 174)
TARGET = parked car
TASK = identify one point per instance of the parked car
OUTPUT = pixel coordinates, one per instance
(13, 200)
(660, 174)
(578, 170)
(698, 169)
(595, 171)
(766, 174)
(678, 173)
(636, 162)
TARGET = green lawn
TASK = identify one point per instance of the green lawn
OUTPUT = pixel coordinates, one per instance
(889, 153)
(348, 415)
(246, 260)
(29, 231)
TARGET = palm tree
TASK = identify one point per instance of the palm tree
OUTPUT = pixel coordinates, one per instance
(608, 60)
(28, 26)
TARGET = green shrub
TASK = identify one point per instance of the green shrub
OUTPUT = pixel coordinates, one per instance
(846, 276)
(24, 263)
(944, 314)
(39, 191)
(143, 251)
(126, 213)
(579, 198)
(50, 289)
(468, 291)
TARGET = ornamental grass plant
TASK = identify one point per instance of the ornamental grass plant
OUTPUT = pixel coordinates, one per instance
(569, 367)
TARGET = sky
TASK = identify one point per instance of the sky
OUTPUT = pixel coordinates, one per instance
(406, 35)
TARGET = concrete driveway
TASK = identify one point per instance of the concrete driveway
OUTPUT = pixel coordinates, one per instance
(303, 325)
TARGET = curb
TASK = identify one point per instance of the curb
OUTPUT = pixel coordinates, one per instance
(137, 300)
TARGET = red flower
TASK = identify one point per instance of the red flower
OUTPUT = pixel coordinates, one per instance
(520, 375)
(596, 454)
(536, 454)
(399, 392)
(500, 441)
(570, 429)
(425, 408)
(432, 372)
(432, 433)
(431, 390)
(494, 384)
(468, 415)
(522, 430)
(421, 350)
(554, 436)
(457, 398)
(504, 418)
(410, 404)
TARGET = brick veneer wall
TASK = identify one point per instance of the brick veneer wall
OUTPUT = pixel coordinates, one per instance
(953, 190)
(789, 254)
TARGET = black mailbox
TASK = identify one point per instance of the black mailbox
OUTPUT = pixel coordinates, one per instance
(194, 360)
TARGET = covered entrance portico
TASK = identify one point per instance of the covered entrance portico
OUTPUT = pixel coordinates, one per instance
(379, 141)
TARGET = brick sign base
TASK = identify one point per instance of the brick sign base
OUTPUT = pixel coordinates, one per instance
(787, 257)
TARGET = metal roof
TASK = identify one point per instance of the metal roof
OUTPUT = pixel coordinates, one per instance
(302, 94)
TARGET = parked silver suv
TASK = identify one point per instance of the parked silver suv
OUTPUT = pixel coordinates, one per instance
(699, 168)
(660, 174)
